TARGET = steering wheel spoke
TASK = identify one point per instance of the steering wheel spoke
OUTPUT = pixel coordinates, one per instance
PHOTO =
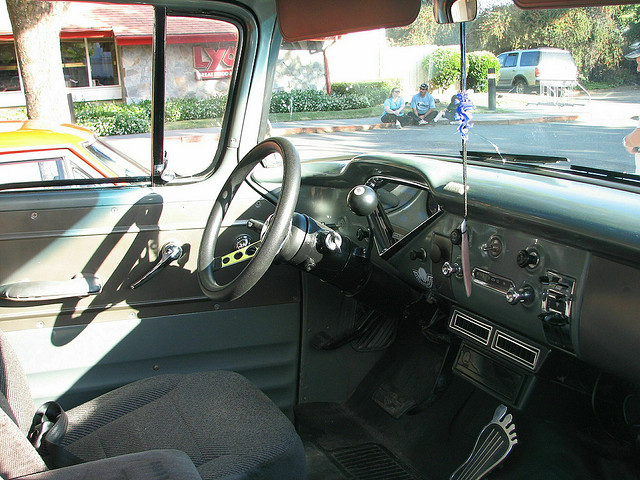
(234, 258)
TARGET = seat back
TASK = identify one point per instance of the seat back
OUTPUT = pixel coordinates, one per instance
(17, 455)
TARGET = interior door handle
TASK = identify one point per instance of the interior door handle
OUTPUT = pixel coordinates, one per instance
(81, 285)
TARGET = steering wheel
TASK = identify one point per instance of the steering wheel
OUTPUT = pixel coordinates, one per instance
(273, 234)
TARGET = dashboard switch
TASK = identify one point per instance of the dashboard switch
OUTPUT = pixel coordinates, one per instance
(527, 258)
(524, 295)
(493, 247)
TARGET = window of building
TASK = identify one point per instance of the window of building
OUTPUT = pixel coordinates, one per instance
(86, 59)
(9, 78)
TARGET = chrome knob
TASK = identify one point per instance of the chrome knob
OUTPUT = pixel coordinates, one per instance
(524, 295)
(333, 241)
(449, 269)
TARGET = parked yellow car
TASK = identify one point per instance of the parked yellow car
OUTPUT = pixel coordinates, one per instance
(33, 151)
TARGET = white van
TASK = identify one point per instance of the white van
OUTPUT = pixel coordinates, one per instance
(524, 70)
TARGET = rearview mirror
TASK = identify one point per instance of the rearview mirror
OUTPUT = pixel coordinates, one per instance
(454, 11)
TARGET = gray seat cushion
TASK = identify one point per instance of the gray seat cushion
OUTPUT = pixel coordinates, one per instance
(227, 426)
(151, 465)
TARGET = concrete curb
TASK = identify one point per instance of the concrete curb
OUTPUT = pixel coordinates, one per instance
(356, 128)
(516, 121)
(277, 131)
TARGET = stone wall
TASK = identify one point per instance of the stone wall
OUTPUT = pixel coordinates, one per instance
(299, 70)
(135, 62)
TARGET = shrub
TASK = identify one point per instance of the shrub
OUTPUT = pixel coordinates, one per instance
(113, 118)
(122, 119)
(195, 108)
(315, 101)
(478, 67)
(376, 92)
(446, 63)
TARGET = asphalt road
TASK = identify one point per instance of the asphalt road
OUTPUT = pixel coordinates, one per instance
(584, 144)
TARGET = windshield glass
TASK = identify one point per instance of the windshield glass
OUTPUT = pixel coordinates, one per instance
(565, 89)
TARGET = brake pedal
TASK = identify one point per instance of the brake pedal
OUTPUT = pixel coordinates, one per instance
(493, 445)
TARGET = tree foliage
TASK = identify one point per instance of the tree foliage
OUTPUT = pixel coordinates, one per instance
(596, 36)
(423, 31)
(593, 35)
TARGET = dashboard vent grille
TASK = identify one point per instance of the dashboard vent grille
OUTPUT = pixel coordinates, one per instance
(471, 327)
(516, 350)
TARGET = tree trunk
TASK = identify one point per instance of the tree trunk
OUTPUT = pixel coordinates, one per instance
(36, 30)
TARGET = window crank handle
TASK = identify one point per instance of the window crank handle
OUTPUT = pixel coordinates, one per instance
(169, 252)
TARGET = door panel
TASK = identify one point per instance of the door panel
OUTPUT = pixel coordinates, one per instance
(74, 349)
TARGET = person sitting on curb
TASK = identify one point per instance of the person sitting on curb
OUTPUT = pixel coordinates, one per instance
(449, 114)
(632, 141)
(394, 109)
(423, 106)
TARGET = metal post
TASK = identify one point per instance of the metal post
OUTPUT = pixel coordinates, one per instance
(491, 81)
(157, 93)
(72, 111)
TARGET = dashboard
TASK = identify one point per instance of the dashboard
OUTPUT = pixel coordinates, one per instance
(554, 258)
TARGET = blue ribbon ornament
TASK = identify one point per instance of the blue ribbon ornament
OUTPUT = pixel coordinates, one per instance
(463, 114)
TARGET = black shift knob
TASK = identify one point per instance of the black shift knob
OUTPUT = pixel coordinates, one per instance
(362, 200)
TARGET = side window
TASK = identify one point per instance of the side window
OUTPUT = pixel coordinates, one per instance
(200, 59)
(31, 170)
(9, 78)
(43, 165)
(529, 59)
(511, 60)
(107, 69)
(501, 58)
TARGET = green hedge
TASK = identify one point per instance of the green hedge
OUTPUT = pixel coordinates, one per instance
(122, 119)
(376, 92)
(446, 63)
(114, 118)
(106, 118)
(315, 101)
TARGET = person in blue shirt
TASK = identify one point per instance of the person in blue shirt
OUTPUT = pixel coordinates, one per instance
(423, 107)
(394, 109)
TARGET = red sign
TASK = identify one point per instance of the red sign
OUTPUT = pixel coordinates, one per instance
(213, 63)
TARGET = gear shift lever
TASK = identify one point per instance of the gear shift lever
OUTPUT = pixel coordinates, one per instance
(363, 201)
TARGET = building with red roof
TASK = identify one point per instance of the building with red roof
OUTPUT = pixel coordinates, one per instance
(106, 54)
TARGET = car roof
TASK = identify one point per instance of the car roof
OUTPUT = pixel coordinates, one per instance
(37, 133)
(539, 49)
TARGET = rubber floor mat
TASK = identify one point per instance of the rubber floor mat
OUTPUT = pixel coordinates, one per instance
(370, 461)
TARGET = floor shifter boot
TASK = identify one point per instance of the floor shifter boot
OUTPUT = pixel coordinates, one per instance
(493, 445)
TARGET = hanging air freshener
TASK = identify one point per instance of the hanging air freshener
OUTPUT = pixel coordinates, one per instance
(464, 110)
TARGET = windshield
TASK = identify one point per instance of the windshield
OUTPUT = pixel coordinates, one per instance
(565, 89)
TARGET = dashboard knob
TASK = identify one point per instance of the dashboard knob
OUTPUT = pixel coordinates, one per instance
(456, 236)
(449, 269)
(524, 295)
(419, 254)
(362, 200)
(527, 258)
